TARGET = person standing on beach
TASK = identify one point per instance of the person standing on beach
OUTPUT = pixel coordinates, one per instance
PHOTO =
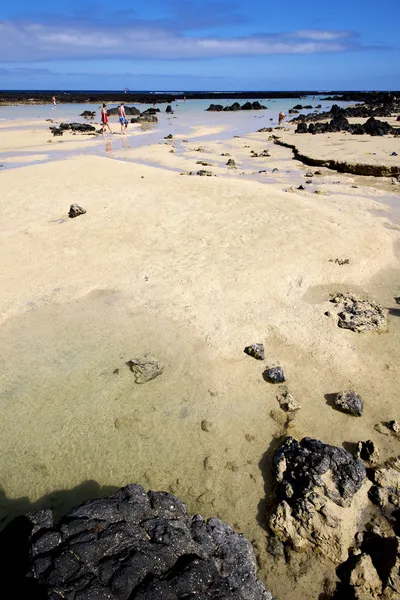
(122, 118)
(104, 118)
(281, 118)
(53, 101)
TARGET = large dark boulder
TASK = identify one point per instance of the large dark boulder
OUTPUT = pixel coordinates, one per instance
(316, 484)
(140, 546)
(375, 127)
(215, 108)
(129, 111)
(301, 128)
(151, 111)
(339, 123)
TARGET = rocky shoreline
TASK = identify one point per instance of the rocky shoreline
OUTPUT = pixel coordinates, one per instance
(30, 97)
(145, 546)
(13, 98)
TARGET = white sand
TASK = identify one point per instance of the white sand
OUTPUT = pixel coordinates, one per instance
(190, 270)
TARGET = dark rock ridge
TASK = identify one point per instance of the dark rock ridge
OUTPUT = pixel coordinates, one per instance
(385, 109)
(13, 97)
(340, 123)
(138, 546)
(129, 111)
(236, 106)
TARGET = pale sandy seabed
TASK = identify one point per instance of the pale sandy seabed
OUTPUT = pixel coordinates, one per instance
(190, 270)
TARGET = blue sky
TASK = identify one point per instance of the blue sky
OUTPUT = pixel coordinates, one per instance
(200, 45)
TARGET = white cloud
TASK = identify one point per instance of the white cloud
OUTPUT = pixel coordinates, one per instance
(22, 41)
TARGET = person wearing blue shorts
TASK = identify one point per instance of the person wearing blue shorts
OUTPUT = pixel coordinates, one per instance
(122, 118)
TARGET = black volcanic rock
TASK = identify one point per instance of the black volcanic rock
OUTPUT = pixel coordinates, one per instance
(140, 546)
(236, 106)
(130, 111)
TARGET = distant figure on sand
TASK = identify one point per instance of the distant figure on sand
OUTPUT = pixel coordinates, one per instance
(53, 101)
(281, 118)
(104, 118)
(122, 118)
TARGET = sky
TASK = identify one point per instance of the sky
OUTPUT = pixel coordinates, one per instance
(214, 45)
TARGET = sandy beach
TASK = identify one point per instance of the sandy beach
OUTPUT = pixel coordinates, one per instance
(189, 270)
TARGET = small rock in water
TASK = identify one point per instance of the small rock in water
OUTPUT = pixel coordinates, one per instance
(287, 401)
(75, 210)
(368, 452)
(301, 187)
(256, 351)
(145, 369)
(209, 463)
(349, 402)
(308, 180)
(309, 174)
(274, 375)
(204, 173)
(394, 426)
(207, 425)
(231, 163)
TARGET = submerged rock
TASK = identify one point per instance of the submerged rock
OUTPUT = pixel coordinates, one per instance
(316, 484)
(256, 351)
(274, 375)
(349, 402)
(75, 210)
(360, 315)
(287, 401)
(141, 546)
(145, 369)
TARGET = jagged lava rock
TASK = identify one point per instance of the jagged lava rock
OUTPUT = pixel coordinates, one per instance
(256, 351)
(274, 375)
(349, 402)
(141, 546)
(317, 485)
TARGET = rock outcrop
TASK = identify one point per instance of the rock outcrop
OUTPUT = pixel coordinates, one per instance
(140, 546)
(316, 485)
(340, 123)
(358, 314)
(129, 111)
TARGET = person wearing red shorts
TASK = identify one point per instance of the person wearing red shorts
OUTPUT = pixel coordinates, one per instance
(104, 118)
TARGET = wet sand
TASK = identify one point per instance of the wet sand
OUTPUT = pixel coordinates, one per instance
(190, 270)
